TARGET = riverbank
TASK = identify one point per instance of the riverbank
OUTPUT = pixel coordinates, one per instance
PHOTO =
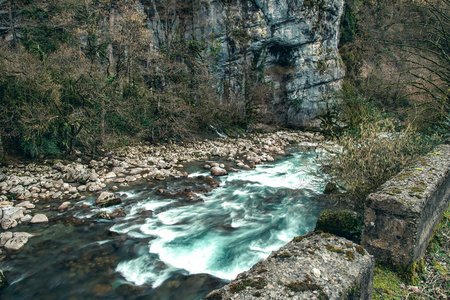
(61, 184)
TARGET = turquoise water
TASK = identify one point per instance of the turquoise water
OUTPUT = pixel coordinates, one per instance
(167, 247)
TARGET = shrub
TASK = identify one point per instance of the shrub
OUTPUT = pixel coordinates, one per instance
(371, 155)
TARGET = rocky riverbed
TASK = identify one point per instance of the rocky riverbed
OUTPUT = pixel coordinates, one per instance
(64, 184)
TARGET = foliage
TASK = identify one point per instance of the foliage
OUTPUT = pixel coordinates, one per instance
(371, 155)
(88, 75)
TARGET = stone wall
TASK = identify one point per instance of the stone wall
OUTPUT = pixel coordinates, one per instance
(401, 216)
(313, 266)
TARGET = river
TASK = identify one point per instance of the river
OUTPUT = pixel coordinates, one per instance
(167, 247)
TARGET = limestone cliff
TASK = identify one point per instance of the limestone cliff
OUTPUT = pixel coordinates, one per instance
(290, 46)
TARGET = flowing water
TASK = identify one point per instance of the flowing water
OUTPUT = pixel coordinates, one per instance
(167, 247)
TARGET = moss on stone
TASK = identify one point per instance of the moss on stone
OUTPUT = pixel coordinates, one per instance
(349, 254)
(360, 250)
(283, 254)
(302, 286)
(334, 249)
(242, 284)
(343, 223)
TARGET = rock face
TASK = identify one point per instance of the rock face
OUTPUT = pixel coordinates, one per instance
(291, 46)
(314, 266)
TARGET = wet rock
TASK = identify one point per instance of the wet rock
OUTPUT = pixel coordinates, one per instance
(107, 199)
(39, 218)
(3, 281)
(8, 223)
(64, 206)
(26, 218)
(4, 237)
(16, 242)
(120, 213)
(102, 215)
(26, 204)
(217, 171)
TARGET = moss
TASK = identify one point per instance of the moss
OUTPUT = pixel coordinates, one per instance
(440, 268)
(327, 235)
(394, 191)
(298, 239)
(410, 273)
(283, 254)
(360, 250)
(302, 286)
(343, 223)
(387, 285)
(242, 284)
(416, 189)
(349, 254)
(334, 249)
(214, 296)
(403, 176)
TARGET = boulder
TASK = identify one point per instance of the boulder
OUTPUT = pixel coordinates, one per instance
(8, 223)
(107, 199)
(64, 206)
(15, 243)
(39, 218)
(4, 237)
(217, 171)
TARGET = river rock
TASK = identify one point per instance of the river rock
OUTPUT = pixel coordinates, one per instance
(217, 171)
(39, 218)
(3, 281)
(107, 199)
(15, 243)
(26, 204)
(4, 237)
(8, 223)
(26, 218)
(64, 206)
(110, 175)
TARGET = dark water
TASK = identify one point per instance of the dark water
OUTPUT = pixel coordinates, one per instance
(170, 245)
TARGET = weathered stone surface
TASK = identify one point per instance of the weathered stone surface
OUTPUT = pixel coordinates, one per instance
(107, 199)
(293, 44)
(16, 242)
(39, 218)
(64, 206)
(400, 217)
(314, 266)
(8, 223)
(217, 171)
(4, 237)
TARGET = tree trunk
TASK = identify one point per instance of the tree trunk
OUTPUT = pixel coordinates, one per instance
(11, 24)
(2, 151)
(102, 123)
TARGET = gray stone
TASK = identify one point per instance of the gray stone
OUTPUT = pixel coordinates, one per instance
(107, 199)
(64, 206)
(4, 237)
(15, 243)
(8, 223)
(400, 217)
(217, 171)
(314, 266)
(39, 218)
(26, 218)
(26, 204)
